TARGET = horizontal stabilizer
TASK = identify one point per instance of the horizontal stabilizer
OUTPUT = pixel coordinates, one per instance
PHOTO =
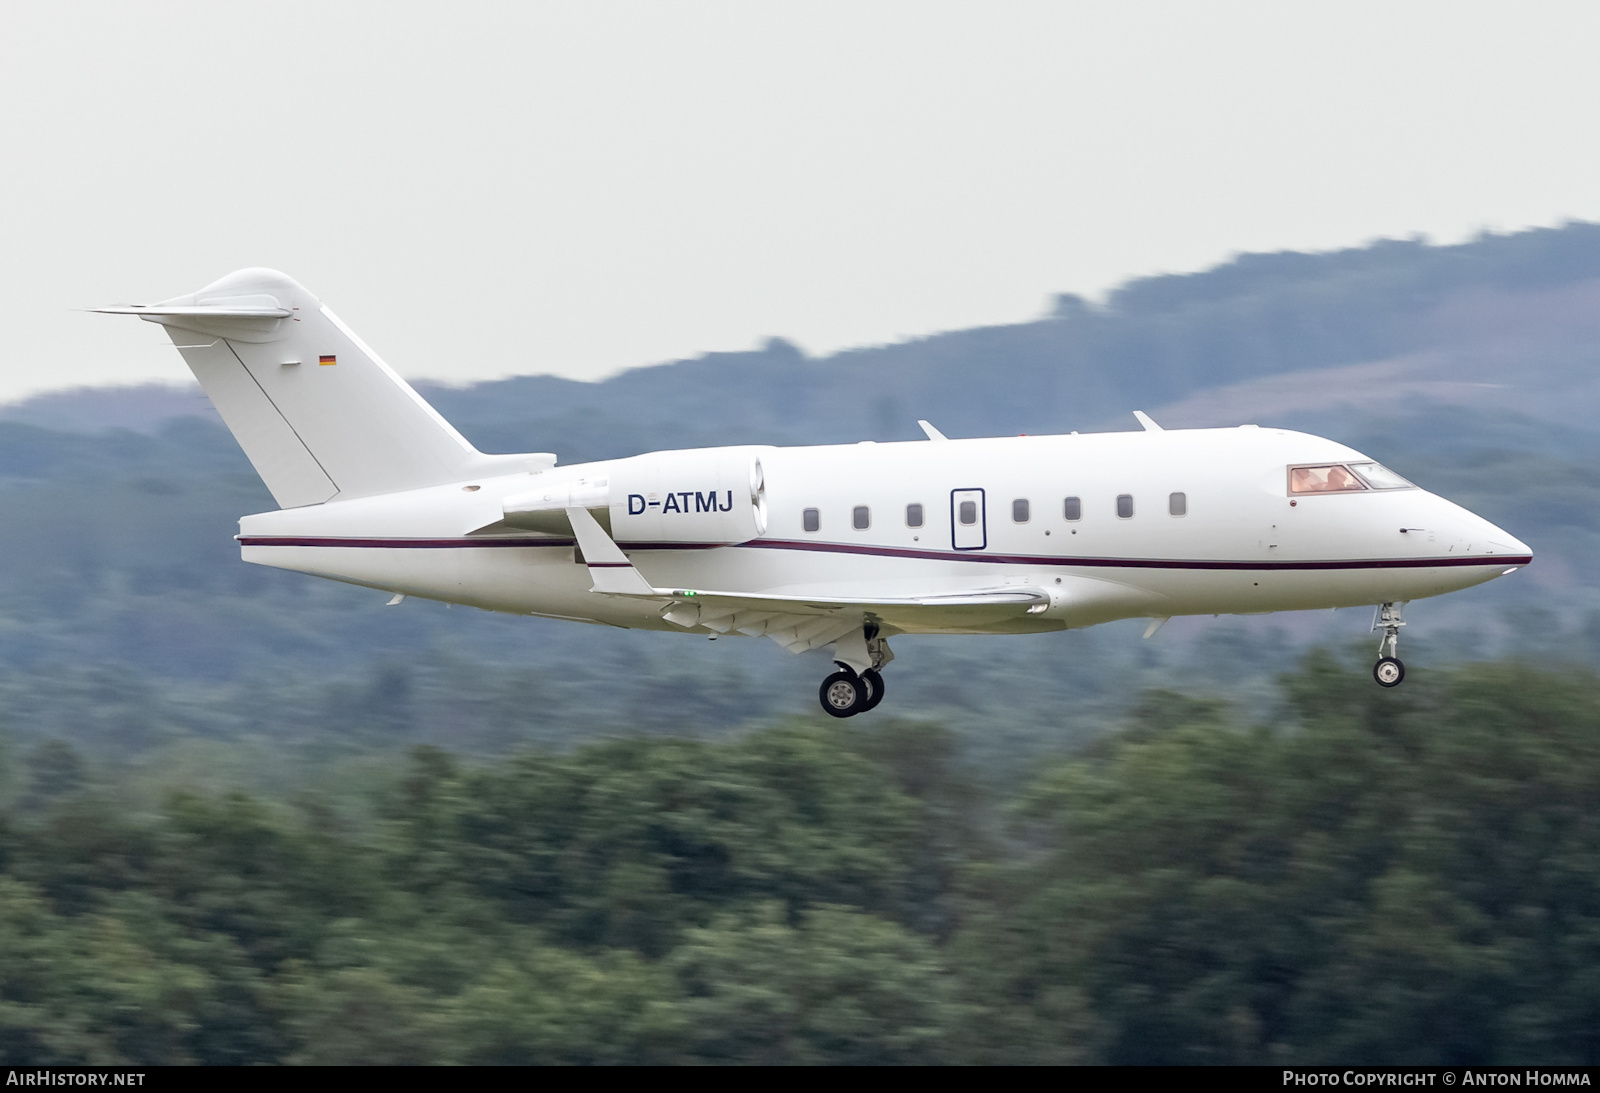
(207, 311)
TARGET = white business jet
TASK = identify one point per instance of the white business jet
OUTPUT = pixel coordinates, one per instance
(837, 546)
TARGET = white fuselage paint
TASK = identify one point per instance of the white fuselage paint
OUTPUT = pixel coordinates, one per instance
(1243, 544)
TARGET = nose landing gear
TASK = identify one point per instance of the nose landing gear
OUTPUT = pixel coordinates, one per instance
(1389, 672)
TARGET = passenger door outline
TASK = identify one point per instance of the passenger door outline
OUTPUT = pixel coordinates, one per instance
(968, 536)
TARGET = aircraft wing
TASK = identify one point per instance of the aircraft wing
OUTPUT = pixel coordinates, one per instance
(710, 602)
(797, 623)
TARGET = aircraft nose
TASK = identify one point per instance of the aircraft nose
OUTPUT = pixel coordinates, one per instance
(1501, 540)
(1483, 537)
(1520, 547)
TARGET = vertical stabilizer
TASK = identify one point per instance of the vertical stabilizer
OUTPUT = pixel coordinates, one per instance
(319, 414)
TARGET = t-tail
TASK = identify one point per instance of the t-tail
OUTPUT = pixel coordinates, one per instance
(320, 415)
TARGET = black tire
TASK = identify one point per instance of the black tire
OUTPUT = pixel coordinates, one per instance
(842, 694)
(1389, 672)
(874, 682)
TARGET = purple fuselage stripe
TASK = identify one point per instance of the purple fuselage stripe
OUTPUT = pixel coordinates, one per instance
(398, 544)
(1143, 563)
(895, 552)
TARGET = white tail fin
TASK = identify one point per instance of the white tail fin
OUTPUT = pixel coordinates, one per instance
(318, 413)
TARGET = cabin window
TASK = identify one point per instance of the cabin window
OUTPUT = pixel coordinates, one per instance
(1019, 511)
(1072, 508)
(1125, 506)
(913, 516)
(1327, 478)
(811, 519)
(1177, 504)
(1380, 477)
(967, 513)
(860, 518)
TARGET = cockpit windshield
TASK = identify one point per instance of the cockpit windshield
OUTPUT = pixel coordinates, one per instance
(1380, 477)
(1339, 478)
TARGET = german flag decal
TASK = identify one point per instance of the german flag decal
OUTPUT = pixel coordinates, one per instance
(327, 358)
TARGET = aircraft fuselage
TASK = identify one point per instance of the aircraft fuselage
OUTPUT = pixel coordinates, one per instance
(1045, 515)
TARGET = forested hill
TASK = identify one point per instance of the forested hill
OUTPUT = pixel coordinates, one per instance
(1153, 342)
(1384, 878)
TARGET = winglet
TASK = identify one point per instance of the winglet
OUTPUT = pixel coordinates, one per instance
(933, 434)
(608, 566)
(1149, 426)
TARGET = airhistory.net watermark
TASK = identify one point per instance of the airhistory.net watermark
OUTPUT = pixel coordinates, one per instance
(48, 1076)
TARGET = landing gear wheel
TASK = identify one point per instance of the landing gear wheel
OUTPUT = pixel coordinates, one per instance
(843, 694)
(1389, 618)
(874, 682)
(1388, 672)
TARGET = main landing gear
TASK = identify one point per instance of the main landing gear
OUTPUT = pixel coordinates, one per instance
(1389, 671)
(845, 694)
(848, 692)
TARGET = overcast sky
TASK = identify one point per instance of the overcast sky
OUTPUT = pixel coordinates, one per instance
(485, 189)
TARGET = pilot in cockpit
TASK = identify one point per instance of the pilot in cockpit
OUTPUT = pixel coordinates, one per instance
(1330, 479)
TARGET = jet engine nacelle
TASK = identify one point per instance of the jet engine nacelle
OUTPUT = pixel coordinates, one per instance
(706, 495)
